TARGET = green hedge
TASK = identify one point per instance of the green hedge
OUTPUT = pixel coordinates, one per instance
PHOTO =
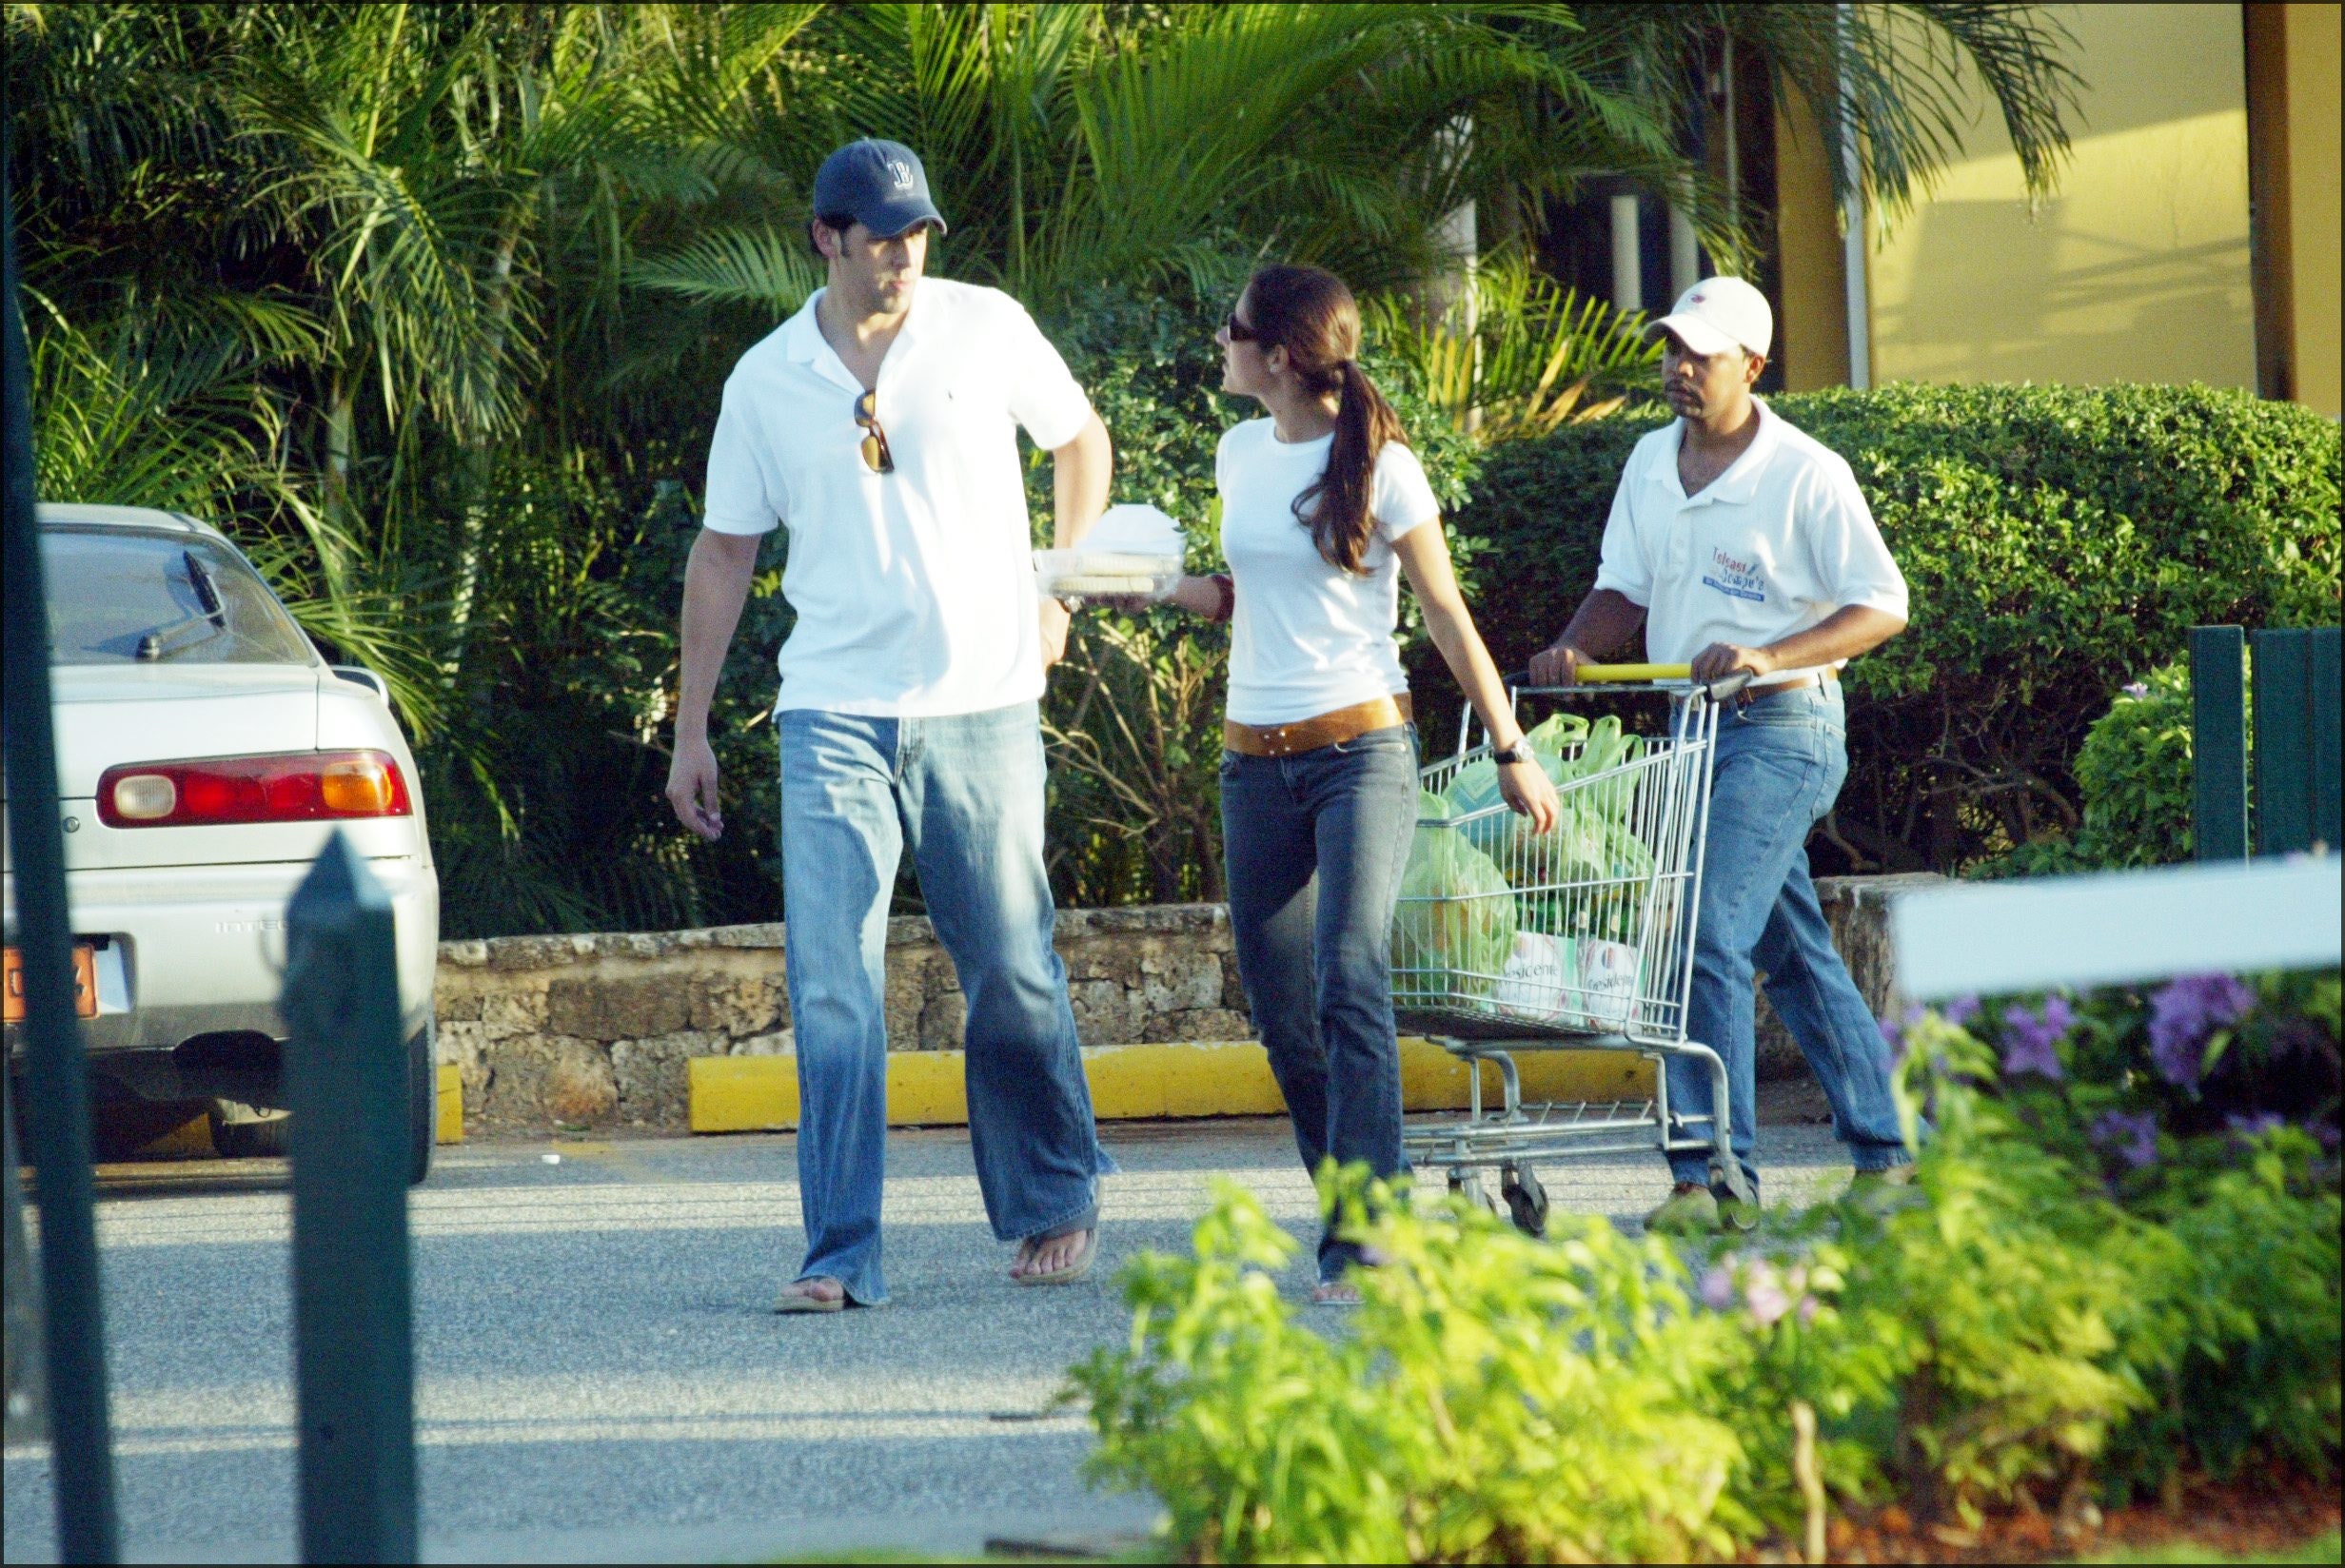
(2060, 542)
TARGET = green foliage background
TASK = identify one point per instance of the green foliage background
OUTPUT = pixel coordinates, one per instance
(429, 304)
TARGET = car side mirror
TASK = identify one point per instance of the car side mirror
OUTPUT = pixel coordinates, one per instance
(358, 674)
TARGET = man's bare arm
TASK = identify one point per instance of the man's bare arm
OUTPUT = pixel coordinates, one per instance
(1601, 627)
(1079, 473)
(1848, 630)
(716, 586)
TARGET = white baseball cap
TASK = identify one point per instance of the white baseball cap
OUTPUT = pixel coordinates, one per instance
(1719, 313)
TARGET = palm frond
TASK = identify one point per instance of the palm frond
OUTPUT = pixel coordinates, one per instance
(735, 266)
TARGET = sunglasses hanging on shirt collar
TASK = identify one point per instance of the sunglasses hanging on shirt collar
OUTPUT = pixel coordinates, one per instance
(875, 454)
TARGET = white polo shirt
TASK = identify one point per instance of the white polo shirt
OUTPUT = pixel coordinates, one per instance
(915, 590)
(1773, 545)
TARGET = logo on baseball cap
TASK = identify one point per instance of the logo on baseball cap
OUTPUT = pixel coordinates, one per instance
(880, 183)
(1717, 314)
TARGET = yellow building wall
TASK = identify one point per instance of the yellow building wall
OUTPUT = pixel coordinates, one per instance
(2137, 268)
(1811, 336)
(2313, 133)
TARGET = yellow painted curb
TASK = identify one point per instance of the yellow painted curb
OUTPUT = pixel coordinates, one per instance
(451, 1125)
(1211, 1078)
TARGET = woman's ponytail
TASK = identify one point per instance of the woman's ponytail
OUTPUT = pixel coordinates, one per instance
(1311, 313)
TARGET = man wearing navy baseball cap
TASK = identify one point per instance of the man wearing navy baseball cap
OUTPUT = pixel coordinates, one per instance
(878, 425)
(1739, 543)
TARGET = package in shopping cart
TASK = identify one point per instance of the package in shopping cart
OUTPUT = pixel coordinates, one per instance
(1584, 983)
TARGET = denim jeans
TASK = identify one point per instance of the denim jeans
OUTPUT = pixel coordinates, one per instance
(1780, 765)
(965, 795)
(1316, 843)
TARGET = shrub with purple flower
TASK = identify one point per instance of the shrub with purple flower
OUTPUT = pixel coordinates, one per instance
(2031, 1039)
(2185, 1014)
(2164, 1084)
(2132, 1136)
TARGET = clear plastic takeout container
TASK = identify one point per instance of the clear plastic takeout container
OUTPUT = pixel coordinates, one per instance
(1134, 552)
(1106, 574)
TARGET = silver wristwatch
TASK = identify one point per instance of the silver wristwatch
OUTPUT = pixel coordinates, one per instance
(1519, 751)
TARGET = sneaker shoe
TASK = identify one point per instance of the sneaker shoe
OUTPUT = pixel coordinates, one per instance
(1734, 1214)
(1889, 1188)
(1690, 1209)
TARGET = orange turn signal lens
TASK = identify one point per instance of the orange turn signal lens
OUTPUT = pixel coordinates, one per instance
(355, 789)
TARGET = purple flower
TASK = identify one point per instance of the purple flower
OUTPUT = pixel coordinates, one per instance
(1809, 1306)
(1766, 1296)
(1893, 1030)
(2326, 1133)
(1962, 1011)
(2137, 689)
(2030, 1039)
(2131, 1136)
(2184, 1013)
(2255, 1125)
(1717, 1290)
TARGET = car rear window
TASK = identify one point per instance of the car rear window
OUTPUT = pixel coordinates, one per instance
(109, 589)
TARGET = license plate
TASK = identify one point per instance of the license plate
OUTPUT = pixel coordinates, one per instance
(85, 982)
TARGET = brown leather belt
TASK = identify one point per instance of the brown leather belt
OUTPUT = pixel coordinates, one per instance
(1749, 694)
(1308, 734)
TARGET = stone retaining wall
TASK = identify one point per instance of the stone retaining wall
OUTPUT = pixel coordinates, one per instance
(595, 1029)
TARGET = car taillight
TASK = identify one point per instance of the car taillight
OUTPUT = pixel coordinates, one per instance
(220, 790)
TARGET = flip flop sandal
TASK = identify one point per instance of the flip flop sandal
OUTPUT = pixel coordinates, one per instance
(1332, 1293)
(1075, 1270)
(798, 1300)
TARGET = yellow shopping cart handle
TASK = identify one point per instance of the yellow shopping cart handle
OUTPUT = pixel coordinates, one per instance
(1591, 674)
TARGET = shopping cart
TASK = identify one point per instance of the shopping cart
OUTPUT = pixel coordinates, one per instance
(1508, 941)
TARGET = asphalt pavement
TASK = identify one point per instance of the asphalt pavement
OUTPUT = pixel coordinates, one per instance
(598, 1375)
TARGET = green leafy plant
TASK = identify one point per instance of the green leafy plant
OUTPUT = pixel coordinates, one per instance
(2009, 1327)
(1501, 1400)
(2134, 779)
(1516, 354)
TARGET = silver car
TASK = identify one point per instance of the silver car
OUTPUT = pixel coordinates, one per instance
(204, 752)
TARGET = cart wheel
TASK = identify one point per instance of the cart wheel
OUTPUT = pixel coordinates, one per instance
(1469, 1185)
(1526, 1201)
(1728, 1175)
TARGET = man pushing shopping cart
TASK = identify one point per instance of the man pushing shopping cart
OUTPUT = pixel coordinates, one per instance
(1741, 544)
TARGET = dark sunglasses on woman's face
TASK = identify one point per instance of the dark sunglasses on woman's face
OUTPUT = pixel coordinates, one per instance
(1238, 331)
(875, 454)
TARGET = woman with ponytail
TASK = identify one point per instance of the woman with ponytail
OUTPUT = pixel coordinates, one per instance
(1323, 506)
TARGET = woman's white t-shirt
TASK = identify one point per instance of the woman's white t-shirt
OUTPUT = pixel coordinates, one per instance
(1308, 638)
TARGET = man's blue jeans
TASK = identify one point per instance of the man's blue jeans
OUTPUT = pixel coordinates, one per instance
(965, 795)
(1316, 844)
(1780, 765)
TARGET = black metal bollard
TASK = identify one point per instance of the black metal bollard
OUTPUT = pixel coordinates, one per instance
(2295, 739)
(353, 1317)
(2219, 742)
(56, 1077)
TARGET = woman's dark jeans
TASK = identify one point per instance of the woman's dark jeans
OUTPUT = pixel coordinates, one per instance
(1316, 844)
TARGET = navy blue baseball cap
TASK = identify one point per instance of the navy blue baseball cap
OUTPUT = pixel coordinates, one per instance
(880, 183)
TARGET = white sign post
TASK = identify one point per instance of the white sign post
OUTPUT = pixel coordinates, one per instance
(2117, 927)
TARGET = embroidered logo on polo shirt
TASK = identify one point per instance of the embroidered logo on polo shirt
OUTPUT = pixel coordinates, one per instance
(1735, 578)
